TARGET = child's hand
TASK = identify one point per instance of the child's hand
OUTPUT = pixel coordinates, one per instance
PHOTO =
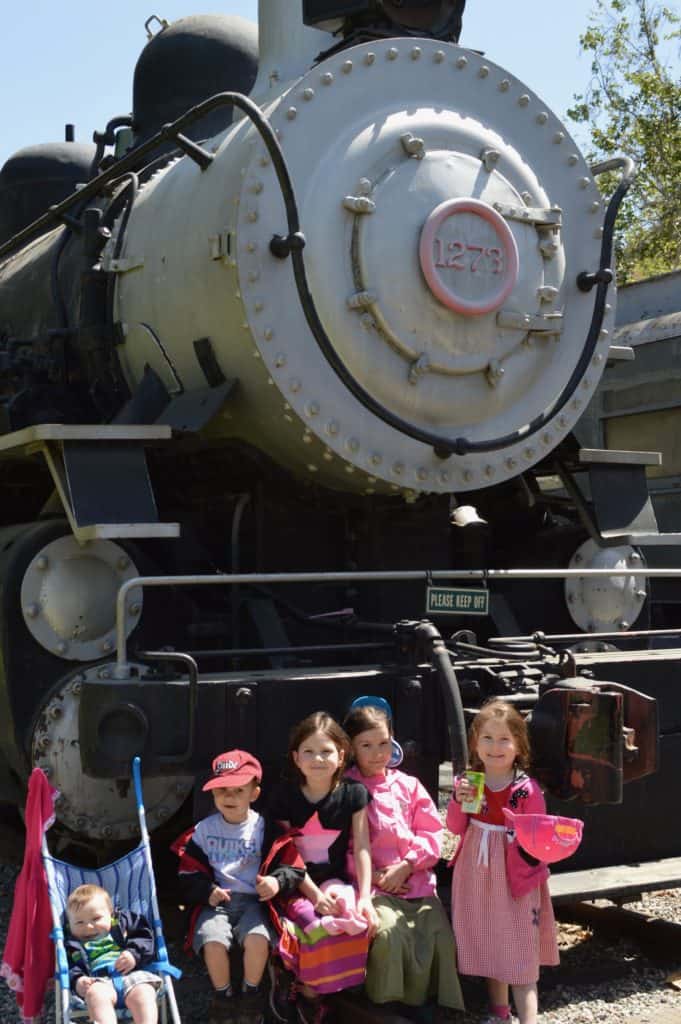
(394, 878)
(125, 962)
(82, 986)
(327, 904)
(464, 790)
(219, 896)
(377, 877)
(266, 886)
(365, 909)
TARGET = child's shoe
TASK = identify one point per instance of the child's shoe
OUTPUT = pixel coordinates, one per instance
(222, 1009)
(494, 1018)
(251, 1007)
(313, 1011)
(283, 991)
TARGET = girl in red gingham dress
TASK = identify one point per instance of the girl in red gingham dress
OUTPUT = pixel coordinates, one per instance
(501, 909)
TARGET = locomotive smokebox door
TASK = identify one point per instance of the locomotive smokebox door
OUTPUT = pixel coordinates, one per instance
(588, 739)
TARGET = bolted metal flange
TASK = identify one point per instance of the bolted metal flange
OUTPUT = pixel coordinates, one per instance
(605, 604)
(93, 807)
(68, 596)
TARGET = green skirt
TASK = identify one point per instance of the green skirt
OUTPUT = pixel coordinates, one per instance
(412, 958)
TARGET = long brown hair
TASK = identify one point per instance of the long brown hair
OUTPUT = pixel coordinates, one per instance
(362, 719)
(500, 711)
(319, 721)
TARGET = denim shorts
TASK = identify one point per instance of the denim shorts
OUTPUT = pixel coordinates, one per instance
(231, 922)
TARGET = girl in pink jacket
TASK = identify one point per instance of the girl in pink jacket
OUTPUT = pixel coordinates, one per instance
(412, 958)
(501, 908)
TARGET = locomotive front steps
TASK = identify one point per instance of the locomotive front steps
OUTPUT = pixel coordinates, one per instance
(100, 474)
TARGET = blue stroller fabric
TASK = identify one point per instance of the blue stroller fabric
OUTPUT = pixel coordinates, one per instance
(131, 884)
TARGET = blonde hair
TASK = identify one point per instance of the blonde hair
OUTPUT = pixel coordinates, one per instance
(84, 894)
(500, 711)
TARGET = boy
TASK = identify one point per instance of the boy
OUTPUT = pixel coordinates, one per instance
(105, 953)
(219, 863)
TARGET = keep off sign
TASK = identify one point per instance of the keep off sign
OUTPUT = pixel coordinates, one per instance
(456, 601)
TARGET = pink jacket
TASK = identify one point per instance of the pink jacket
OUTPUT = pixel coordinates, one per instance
(523, 872)
(403, 825)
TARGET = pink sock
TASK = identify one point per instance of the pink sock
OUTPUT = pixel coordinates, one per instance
(503, 1011)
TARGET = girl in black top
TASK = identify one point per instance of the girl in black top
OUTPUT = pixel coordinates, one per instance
(321, 810)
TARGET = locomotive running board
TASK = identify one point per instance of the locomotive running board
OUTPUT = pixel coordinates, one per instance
(620, 510)
(622, 883)
(102, 497)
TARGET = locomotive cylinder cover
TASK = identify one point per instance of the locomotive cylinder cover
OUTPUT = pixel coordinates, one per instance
(446, 213)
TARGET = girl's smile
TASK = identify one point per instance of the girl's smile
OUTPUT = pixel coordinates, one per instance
(318, 758)
(372, 750)
(496, 749)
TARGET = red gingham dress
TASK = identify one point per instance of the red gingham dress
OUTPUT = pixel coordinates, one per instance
(498, 936)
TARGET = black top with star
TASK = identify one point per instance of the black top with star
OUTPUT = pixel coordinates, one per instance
(325, 826)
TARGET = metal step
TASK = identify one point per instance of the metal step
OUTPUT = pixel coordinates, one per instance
(100, 474)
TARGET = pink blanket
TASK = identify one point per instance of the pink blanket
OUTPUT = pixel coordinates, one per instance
(28, 957)
(347, 922)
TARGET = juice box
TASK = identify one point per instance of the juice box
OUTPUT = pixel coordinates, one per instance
(476, 779)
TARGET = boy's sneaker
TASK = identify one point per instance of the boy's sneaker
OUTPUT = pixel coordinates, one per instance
(283, 991)
(251, 1008)
(222, 1009)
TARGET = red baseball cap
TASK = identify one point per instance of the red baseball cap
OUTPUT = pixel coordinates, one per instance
(234, 768)
(548, 837)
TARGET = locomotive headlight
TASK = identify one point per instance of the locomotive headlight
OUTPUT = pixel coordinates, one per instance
(440, 18)
(435, 17)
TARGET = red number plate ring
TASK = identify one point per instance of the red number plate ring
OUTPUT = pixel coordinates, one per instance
(499, 262)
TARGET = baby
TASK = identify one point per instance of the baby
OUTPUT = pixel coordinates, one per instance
(105, 953)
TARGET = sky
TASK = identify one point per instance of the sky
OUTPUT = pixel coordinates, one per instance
(67, 62)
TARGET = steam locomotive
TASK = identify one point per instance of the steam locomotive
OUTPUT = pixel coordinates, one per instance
(289, 359)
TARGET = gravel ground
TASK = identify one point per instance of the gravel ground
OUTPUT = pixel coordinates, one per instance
(574, 993)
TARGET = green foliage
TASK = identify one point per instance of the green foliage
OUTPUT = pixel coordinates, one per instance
(633, 106)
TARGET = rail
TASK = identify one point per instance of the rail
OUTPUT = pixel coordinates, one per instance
(426, 576)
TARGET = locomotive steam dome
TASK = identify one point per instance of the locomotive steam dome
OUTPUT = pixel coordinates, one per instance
(200, 55)
(441, 202)
(37, 177)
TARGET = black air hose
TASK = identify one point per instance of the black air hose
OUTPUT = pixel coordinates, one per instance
(430, 636)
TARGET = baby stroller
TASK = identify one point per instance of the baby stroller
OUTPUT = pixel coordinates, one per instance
(131, 883)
